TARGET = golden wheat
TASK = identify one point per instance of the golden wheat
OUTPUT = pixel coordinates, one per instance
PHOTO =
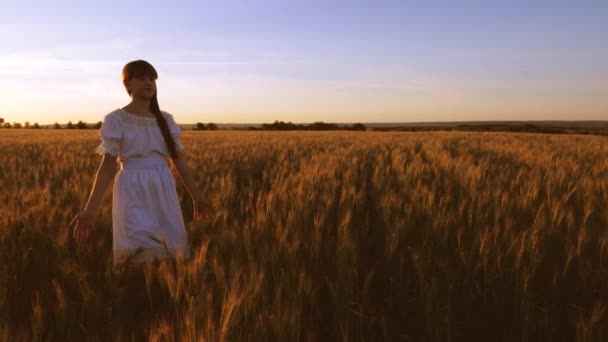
(322, 236)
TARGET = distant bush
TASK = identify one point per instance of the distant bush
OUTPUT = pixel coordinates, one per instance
(316, 126)
(356, 127)
(202, 127)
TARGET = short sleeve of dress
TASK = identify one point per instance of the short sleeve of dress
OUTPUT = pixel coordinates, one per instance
(111, 136)
(175, 130)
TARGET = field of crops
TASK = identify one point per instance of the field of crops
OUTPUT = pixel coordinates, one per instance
(321, 236)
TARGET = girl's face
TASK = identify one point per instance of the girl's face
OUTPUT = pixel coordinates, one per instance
(142, 86)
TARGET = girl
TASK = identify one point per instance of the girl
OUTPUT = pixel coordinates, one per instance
(146, 216)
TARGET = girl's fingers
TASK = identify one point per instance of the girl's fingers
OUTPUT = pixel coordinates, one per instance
(75, 234)
(81, 231)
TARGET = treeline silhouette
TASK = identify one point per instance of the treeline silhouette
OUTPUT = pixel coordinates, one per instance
(199, 126)
(523, 128)
(322, 126)
(79, 125)
(317, 126)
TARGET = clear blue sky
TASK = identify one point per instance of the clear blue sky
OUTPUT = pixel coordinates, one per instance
(305, 61)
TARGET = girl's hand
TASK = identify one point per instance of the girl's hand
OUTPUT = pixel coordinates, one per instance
(203, 210)
(84, 224)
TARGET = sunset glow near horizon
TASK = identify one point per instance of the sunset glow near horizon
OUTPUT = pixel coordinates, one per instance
(305, 61)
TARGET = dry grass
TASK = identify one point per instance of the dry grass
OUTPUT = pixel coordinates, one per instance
(322, 236)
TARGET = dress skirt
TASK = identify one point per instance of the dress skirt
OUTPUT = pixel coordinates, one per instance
(147, 220)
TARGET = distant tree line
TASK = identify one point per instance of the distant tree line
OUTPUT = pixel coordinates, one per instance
(79, 125)
(522, 128)
(317, 126)
(199, 126)
(322, 126)
(527, 128)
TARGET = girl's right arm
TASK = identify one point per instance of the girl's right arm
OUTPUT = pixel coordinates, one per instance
(84, 219)
(104, 176)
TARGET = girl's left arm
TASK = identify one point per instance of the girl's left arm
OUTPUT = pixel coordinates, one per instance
(185, 174)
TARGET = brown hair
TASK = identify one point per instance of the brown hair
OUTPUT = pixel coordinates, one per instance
(142, 68)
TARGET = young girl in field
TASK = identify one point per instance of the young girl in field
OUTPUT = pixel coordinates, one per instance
(145, 205)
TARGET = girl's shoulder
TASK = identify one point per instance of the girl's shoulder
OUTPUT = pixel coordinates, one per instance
(114, 114)
(112, 118)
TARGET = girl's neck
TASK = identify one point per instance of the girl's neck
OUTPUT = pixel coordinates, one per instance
(139, 106)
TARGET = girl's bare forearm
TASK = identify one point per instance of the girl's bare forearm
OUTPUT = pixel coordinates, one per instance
(185, 175)
(103, 178)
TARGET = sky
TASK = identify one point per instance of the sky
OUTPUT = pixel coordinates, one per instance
(257, 61)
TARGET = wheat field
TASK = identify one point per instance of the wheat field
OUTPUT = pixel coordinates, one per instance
(321, 236)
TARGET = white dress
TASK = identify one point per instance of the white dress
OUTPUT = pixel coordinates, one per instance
(145, 204)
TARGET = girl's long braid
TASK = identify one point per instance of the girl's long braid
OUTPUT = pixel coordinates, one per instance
(164, 127)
